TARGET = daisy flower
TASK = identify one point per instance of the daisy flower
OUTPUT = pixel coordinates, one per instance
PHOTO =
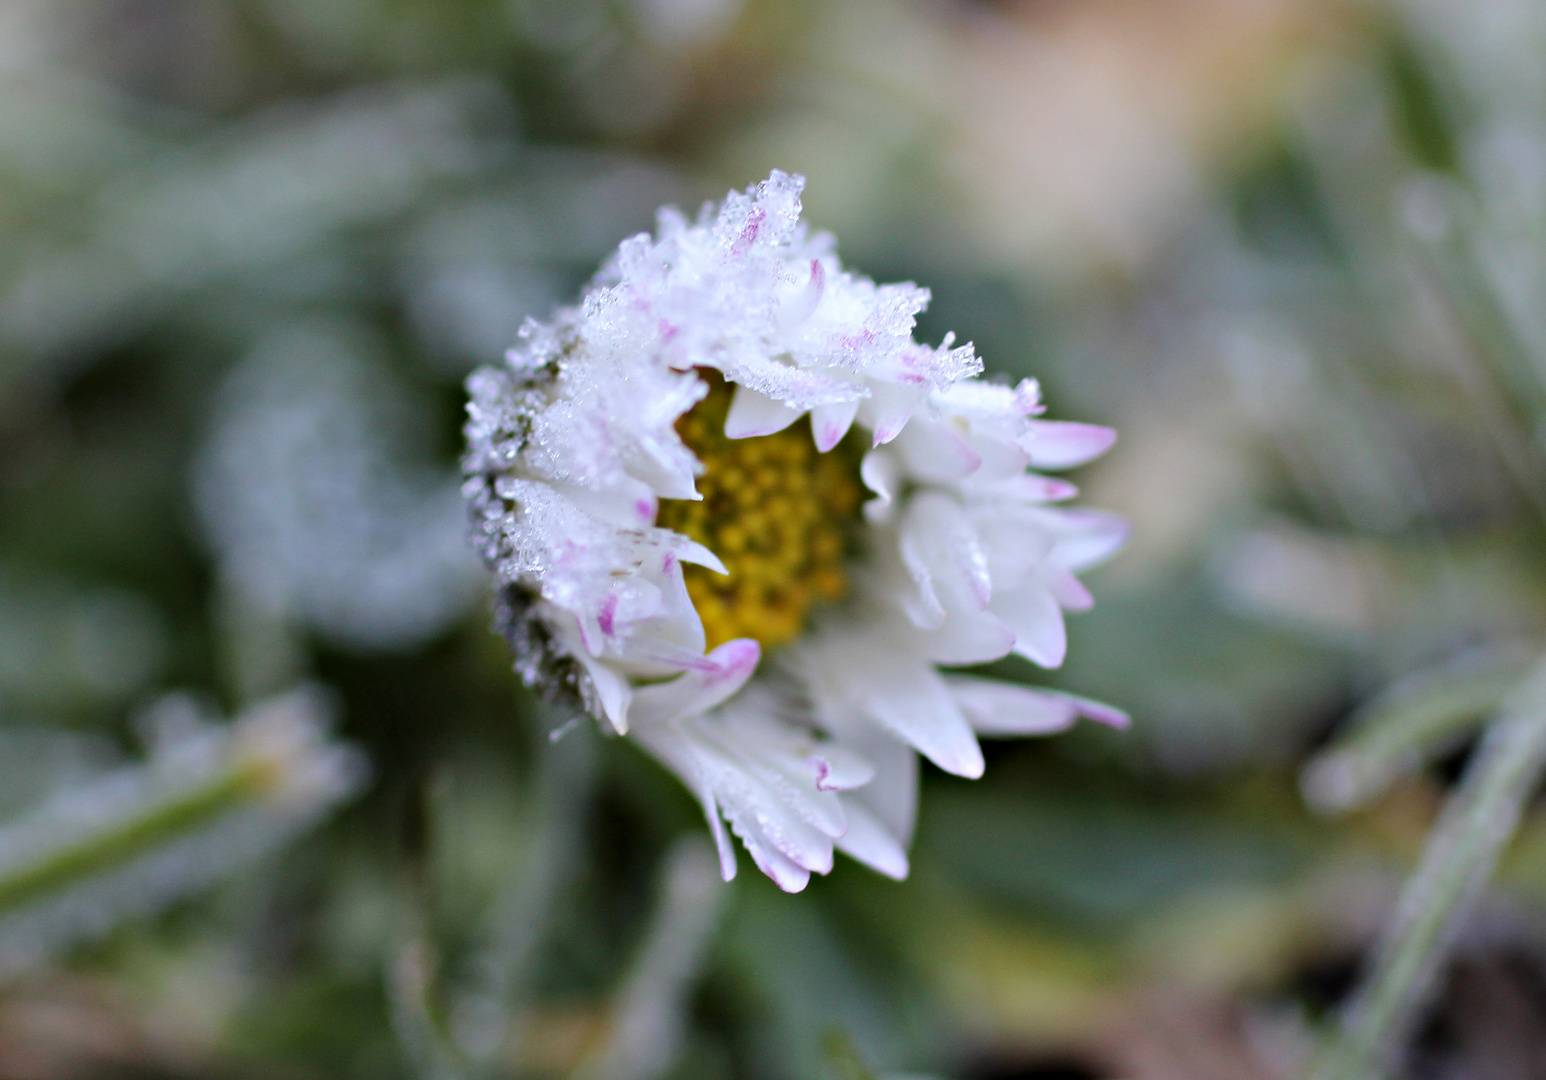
(743, 518)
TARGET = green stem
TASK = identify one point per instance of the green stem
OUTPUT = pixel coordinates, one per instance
(1459, 860)
(122, 840)
(1417, 720)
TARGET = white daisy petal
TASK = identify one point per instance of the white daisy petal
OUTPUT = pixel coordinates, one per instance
(786, 874)
(911, 701)
(1062, 444)
(612, 691)
(1028, 487)
(1033, 614)
(1000, 708)
(1086, 538)
(756, 813)
(969, 637)
(1068, 590)
(1098, 711)
(887, 410)
(872, 843)
(753, 414)
(936, 453)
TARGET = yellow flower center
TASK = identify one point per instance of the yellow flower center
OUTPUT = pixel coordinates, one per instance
(781, 516)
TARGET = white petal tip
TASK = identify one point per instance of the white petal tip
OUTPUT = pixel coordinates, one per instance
(962, 762)
(1042, 654)
(753, 415)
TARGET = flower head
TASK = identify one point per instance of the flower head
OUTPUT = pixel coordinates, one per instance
(743, 517)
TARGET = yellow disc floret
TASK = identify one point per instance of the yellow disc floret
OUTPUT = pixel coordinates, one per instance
(781, 516)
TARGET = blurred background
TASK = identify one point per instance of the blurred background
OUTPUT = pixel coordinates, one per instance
(275, 797)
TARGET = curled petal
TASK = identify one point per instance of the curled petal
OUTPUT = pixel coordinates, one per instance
(838, 769)
(882, 475)
(694, 692)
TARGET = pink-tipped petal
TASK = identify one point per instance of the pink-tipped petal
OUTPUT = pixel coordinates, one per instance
(886, 411)
(1062, 444)
(829, 423)
(785, 874)
(1098, 711)
(1033, 487)
(1067, 590)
